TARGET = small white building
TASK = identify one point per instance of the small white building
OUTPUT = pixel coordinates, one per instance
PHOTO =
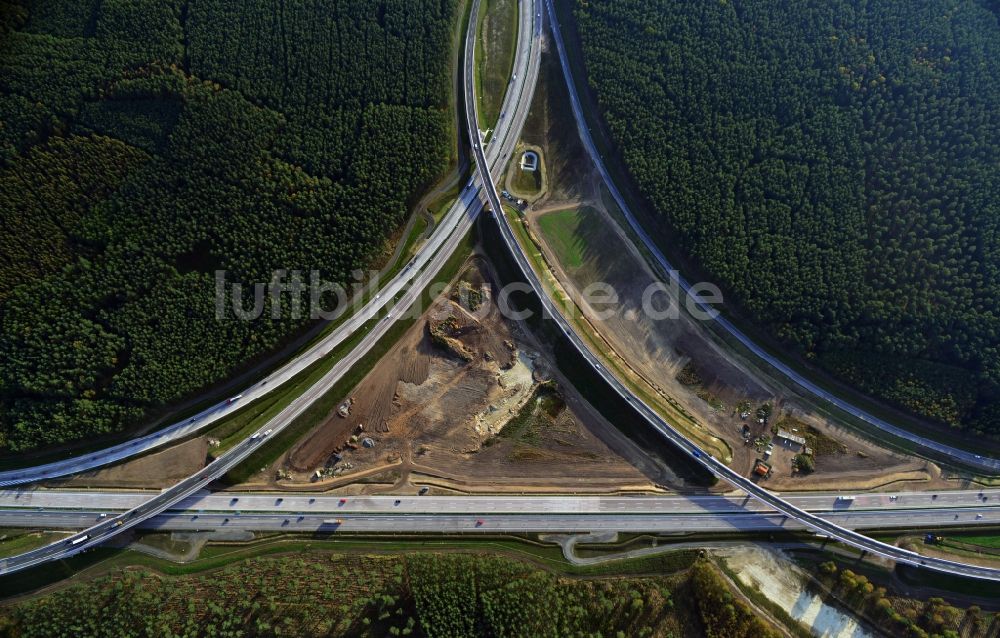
(529, 161)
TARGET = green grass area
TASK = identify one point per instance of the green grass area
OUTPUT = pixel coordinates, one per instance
(989, 542)
(496, 46)
(166, 542)
(417, 231)
(439, 206)
(18, 541)
(560, 229)
(526, 183)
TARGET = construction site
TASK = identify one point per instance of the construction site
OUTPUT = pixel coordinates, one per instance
(467, 401)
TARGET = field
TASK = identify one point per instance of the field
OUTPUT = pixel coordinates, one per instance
(562, 232)
(526, 184)
(495, 55)
(18, 541)
(147, 146)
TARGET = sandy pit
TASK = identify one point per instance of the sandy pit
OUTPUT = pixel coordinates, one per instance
(785, 584)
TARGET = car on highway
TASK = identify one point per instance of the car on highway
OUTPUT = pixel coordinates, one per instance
(234, 399)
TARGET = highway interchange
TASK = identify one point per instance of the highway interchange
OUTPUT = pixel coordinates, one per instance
(171, 508)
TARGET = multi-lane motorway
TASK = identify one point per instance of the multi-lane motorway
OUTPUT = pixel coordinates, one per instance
(653, 418)
(278, 502)
(964, 457)
(303, 512)
(429, 261)
(511, 522)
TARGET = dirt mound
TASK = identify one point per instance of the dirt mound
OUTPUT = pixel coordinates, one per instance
(453, 335)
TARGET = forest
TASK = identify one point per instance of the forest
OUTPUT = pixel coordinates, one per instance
(145, 144)
(835, 166)
(419, 594)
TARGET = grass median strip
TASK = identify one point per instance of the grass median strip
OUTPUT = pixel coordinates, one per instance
(496, 48)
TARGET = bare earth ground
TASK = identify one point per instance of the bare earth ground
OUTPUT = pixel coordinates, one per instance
(435, 411)
(160, 469)
(658, 350)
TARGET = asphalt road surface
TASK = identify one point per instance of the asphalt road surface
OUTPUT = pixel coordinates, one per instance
(278, 502)
(969, 459)
(513, 522)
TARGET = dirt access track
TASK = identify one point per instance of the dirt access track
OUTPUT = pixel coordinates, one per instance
(467, 401)
(575, 225)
